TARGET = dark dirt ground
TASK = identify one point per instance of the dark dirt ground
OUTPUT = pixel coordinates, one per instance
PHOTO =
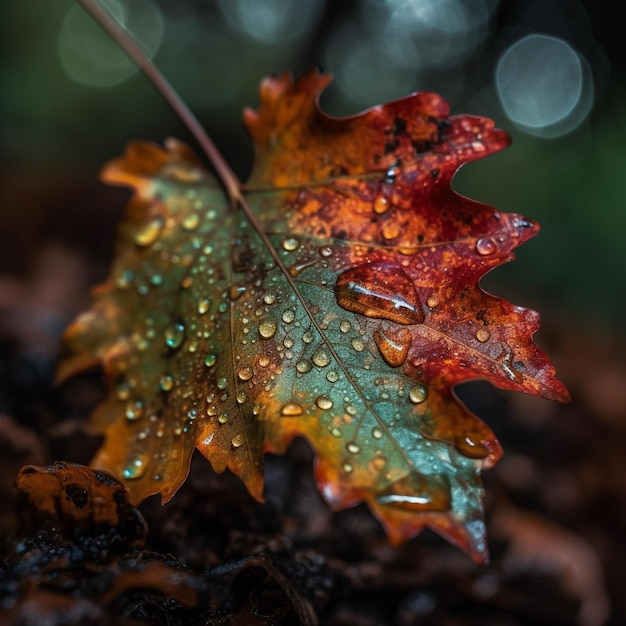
(556, 504)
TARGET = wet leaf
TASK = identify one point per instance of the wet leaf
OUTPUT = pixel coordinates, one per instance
(344, 308)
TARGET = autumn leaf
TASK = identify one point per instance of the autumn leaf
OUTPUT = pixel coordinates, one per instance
(336, 299)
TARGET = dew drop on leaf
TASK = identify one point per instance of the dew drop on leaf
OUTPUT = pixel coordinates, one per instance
(237, 441)
(432, 301)
(377, 433)
(210, 360)
(166, 383)
(381, 204)
(290, 244)
(326, 251)
(191, 221)
(288, 316)
(417, 394)
(149, 232)
(482, 334)
(246, 373)
(470, 448)
(291, 409)
(416, 492)
(321, 358)
(345, 326)
(324, 403)
(393, 346)
(175, 335)
(135, 467)
(267, 329)
(134, 410)
(203, 305)
(347, 467)
(353, 448)
(357, 344)
(379, 290)
(332, 376)
(269, 298)
(303, 366)
(222, 383)
(485, 246)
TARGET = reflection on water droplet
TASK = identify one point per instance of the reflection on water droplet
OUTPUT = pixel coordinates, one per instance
(357, 344)
(222, 418)
(416, 492)
(246, 373)
(353, 448)
(326, 251)
(377, 433)
(291, 409)
(418, 393)
(134, 410)
(203, 305)
(210, 360)
(347, 467)
(222, 383)
(290, 244)
(470, 448)
(264, 361)
(149, 232)
(191, 221)
(393, 345)
(321, 358)
(237, 441)
(307, 337)
(303, 366)
(242, 397)
(175, 335)
(288, 316)
(482, 334)
(324, 403)
(379, 290)
(269, 298)
(135, 467)
(485, 246)
(166, 383)
(267, 329)
(345, 326)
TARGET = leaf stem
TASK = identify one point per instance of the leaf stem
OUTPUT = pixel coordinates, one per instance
(132, 48)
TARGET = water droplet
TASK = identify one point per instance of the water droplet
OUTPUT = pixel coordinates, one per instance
(347, 467)
(134, 410)
(352, 447)
(351, 409)
(307, 337)
(222, 383)
(210, 360)
(303, 366)
(381, 204)
(470, 448)
(391, 174)
(237, 441)
(326, 251)
(335, 432)
(290, 244)
(377, 433)
(222, 418)
(324, 403)
(124, 280)
(123, 390)
(288, 316)
(357, 344)
(291, 409)
(246, 373)
(432, 301)
(135, 467)
(393, 346)
(267, 329)
(149, 232)
(236, 291)
(203, 305)
(418, 393)
(345, 326)
(482, 334)
(269, 298)
(191, 221)
(242, 397)
(321, 358)
(175, 335)
(167, 382)
(416, 492)
(379, 290)
(332, 376)
(391, 230)
(264, 361)
(485, 246)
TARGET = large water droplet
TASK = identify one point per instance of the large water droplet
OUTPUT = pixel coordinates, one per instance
(418, 393)
(303, 366)
(290, 244)
(379, 290)
(149, 232)
(210, 360)
(134, 410)
(237, 441)
(470, 448)
(135, 467)
(291, 409)
(324, 403)
(485, 246)
(246, 373)
(267, 329)
(175, 335)
(321, 358)
(417, 492)
(288, 316)
(352, 447)
(393, 345)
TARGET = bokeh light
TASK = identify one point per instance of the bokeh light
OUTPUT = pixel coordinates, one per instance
(545, 87)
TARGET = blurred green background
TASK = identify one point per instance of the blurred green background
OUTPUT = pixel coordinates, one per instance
(550, 72)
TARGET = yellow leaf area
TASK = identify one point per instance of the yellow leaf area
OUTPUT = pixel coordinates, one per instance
(347, 320)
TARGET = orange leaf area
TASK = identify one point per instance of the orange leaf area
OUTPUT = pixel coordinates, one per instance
(347, 317)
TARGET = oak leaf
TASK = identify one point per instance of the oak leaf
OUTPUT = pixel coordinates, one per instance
(343, 306)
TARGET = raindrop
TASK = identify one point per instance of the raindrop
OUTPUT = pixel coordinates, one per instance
(264, 361)
(326, 251)
(267, 329)
(379, 290)
(357, 344)
(269, 298)
(303, 366)
(381, 204)
(222, 383)
(345, 326)
(353, 448)
(237, 441)
(307, 337)
(393, 346)
(416, 492)
(418, 393)
(191, 221)
(485, 246)
(203, 305)
(324, 403)
(470, 448)
(210, 360)
(332, 376)
(175, 335)
(149, 232)
(134, 410)
(290, 244)
(432, 301)
(222, 418)
(377, 433)
(335, 432)
(242, 397)
(246, 373)
(482, 334)
(321, 358)
(347, 467)
(236, 291)
(135, 467)
(288, 316)
(167, 382)
(291, 409)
